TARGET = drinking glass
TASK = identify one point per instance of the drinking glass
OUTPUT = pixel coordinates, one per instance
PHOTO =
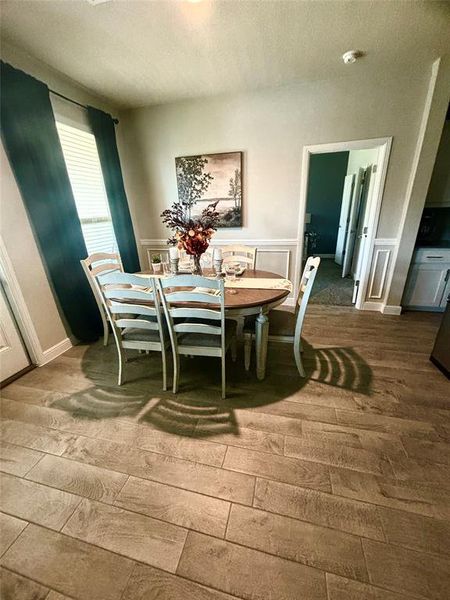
(230, 271)
(166, 267)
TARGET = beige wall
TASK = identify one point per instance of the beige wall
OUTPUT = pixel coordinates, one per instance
(360, 159)
(15, 227)
(271, 128)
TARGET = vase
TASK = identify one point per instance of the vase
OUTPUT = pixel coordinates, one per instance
(197, 269)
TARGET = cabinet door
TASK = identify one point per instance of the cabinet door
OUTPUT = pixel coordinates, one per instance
(426, 284)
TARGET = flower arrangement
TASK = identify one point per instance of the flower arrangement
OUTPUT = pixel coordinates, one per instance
(192, 235)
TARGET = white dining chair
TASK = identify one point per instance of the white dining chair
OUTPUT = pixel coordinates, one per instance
(97, 264)
(134, 310)
(197, 329)
(246, 255)
(286, 326)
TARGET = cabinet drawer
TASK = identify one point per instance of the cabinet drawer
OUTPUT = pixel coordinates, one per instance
(432, 255)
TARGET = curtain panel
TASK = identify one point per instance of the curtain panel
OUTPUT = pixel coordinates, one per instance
(32, 144)
(102, 126)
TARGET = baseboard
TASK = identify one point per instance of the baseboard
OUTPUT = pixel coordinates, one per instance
(391, 309)
(376, 306)
(51, 353)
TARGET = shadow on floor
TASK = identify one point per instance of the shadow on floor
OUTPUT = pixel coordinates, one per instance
(198, 409)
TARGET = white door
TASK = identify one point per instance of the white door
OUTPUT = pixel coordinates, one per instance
(352, 225)
(362, 223)
(344, 218)
(13, 356)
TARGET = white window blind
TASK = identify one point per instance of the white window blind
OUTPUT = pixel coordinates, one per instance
(86, 178)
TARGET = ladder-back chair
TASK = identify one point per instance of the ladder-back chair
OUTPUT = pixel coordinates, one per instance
(135, 315)
(245, 255)
(97, 264)
(199, 328)
(286, 326)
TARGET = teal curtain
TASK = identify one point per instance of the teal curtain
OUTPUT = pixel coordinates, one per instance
(102, 126)
(32, 144)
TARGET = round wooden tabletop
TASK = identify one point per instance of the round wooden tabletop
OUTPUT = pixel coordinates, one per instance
(247, 298)
(250, 298)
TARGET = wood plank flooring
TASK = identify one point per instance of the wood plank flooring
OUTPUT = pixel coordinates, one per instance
(335, 487)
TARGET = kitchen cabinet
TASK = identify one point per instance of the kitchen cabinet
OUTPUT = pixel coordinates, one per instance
(428, 283)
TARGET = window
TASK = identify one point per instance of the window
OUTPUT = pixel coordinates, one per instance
(86, 178)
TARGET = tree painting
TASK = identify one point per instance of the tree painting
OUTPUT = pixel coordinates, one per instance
(211, 178)
(235, 188)
(192, 182)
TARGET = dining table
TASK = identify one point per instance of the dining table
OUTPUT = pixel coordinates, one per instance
(241, 302)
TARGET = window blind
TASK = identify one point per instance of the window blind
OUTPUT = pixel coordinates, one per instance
(86, 178)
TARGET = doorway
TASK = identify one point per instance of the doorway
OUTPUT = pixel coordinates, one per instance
(342, 188)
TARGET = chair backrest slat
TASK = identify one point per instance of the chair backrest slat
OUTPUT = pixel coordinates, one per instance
(197, 328)
(201, 313)
(241, 254)
(137, 324)
(192, 296)
(98, 257)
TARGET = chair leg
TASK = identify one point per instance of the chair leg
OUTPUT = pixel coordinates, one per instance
(164, 367)
(176, 371)
(233, 349)
(298, 360)
(224, 395)
(247, 350)
(105, 330)
(122, 361)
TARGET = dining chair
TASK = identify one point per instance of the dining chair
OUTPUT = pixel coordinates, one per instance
(286, 326)
(134, 311)
(241, 254)
(194, 307)
(97, 264)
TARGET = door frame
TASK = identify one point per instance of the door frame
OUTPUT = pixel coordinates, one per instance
(374, 207)
(19, 307)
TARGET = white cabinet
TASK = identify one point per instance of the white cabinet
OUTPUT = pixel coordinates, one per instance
(428, 282)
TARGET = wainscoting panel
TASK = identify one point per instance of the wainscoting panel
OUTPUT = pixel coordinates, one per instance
(380, 271)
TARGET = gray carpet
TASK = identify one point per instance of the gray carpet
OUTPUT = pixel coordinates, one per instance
(330, 287)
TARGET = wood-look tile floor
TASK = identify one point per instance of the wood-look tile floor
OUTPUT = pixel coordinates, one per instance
(335, 487)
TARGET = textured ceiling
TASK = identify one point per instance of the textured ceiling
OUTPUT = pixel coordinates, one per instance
(145, 52)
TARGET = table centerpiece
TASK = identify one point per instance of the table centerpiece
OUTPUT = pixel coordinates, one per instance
(191, 235)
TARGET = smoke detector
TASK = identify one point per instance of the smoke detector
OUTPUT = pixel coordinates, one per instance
(351, 56)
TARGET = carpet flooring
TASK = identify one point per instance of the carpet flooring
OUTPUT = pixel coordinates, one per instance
(330, 287)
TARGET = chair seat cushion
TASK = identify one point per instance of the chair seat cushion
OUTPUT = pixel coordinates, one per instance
(205, 339)
(281, 322)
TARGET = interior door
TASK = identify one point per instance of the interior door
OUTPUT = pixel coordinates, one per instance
(13, 356)
(344, 218)
(352, 225)
(362, 222)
